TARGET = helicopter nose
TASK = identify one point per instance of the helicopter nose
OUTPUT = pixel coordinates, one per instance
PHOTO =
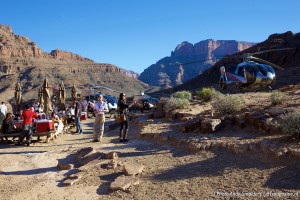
(270, 75)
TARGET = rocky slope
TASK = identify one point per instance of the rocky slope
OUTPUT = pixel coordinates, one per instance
(289, 60)
(167, 72)
(21, 59)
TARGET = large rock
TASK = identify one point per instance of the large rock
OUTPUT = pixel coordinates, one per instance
(64, 166)
(124, 182)
(133, 169)
(191, 125)
(112, 155)
(70, 180)
(211, 125)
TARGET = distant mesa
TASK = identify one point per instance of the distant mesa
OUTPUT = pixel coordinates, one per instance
(22, 59)
(167, 72)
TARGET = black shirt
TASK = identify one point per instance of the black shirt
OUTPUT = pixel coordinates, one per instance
(122, 106)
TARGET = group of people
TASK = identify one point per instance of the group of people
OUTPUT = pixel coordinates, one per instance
(8, 126)
(100, 108)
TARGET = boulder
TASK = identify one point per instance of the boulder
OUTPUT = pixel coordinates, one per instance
(124, 182)
(211, 125)
(71, 180)
(133, 169)
(112, 155)
(64, 166)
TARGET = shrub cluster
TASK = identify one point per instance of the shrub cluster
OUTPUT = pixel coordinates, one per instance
(291, 123)
(207, 94)
(183, 95)
(227, 104)
(278, 97)
(176, 103)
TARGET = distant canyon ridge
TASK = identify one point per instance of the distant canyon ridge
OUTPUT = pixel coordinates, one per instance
(168, 72)
(22, 60)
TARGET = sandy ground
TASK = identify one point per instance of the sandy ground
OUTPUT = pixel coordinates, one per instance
(170, 172)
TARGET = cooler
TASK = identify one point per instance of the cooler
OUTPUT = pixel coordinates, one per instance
(42, 116)
(44, 125)
(83, 116)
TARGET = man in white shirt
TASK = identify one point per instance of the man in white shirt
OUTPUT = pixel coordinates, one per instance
(3, 111)
(100, 109)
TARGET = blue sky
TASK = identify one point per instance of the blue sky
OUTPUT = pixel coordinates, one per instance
(133, 34)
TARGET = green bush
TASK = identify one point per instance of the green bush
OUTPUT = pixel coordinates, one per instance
(227, 104)
(183, 95)
(291, 123)
(207, 94)
(176, 103)
(278, 97)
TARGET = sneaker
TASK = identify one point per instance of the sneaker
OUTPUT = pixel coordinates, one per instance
(125, 140)
(121, 140)
(18, 144)
(28, 144)
(95, 141)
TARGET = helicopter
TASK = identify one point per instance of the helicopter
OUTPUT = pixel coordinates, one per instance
(250, 74)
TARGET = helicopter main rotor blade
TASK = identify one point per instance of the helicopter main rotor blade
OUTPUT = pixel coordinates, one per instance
(270, 50)
(266, 62)
(193, 62)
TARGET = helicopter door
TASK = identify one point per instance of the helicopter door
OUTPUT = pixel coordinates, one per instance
(250, 74)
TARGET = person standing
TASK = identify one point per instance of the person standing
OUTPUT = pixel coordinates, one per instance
(78, 112)
(100, 108)
(3, 112)
(123, 109)
(27, 132)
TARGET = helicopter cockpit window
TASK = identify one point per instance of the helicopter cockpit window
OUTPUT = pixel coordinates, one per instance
(252, 69)
(241, 71)
(262, 70)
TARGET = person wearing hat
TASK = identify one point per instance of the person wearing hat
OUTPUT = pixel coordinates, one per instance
(100, 109)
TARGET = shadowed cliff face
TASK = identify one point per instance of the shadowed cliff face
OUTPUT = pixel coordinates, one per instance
(168, 73)
(289, 60)
(21, 59)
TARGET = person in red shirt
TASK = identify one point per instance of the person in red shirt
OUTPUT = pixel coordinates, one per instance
(27, 115)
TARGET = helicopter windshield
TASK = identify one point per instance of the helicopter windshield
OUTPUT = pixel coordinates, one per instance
(268, 68)
(251, 69)
(262, 70)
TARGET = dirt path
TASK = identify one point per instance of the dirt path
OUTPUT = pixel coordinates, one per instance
(170, 172)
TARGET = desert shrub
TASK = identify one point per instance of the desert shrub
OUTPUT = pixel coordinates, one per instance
(175, 103)
(227, 104)
(291, 123)
(183, 95)
(278, 97)
(162, 102)
(207, 94)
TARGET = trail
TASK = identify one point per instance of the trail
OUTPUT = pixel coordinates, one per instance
(170, 172)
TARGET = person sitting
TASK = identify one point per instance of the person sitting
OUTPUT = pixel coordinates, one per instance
(71, 114)
(8, 126)
(18, 116)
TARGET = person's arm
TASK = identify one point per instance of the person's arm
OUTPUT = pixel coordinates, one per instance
(35, 115)
(105, 108)
(133, 103)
